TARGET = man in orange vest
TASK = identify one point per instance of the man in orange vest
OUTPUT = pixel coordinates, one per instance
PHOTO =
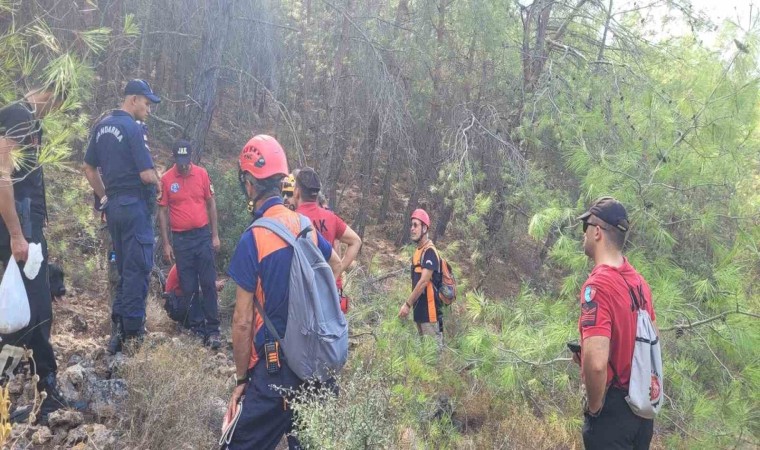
(261, 269)
(425, 265)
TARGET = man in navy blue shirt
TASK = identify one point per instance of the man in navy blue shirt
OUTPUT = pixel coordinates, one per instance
(126, 188)
(261, 269)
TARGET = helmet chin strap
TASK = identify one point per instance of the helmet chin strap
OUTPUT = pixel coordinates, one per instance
(251, 205)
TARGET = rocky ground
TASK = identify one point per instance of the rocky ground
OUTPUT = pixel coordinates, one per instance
(94, 380)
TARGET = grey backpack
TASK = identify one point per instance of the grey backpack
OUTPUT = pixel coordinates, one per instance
(315, 345)
(645, 387)
(645, 391)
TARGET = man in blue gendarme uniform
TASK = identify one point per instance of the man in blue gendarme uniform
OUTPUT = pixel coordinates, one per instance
(127, 190)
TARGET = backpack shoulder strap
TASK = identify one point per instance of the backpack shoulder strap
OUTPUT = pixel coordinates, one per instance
(429, 246)
(277, 228)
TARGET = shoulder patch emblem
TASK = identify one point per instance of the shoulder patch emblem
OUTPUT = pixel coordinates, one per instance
(589, 293)
(174, 187)
(588, 314)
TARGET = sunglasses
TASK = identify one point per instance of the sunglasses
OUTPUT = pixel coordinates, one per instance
(586, 224)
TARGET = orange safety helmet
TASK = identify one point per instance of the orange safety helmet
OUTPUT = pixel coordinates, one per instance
(263, 157)
(421, 215)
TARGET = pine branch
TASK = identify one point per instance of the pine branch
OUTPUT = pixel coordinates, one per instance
(722, 315)
(532, 363)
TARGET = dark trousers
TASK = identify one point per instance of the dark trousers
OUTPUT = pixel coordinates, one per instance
(617, 427)
(132, 237)
(36, 335)
(265, 417)
(195, 266)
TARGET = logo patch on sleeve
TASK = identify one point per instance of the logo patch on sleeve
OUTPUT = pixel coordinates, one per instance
(589, 293)
(588, 314)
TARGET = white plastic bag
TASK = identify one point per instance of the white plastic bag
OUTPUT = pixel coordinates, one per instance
(14, 304)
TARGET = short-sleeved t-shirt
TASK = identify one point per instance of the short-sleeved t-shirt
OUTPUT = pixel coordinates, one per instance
(17, 122)
(325, 221)
(608, 310)
(427, 308)
(261, 264)
(186, 197)
(117, 146)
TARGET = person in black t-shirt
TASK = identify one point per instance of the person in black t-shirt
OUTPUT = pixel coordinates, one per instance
(23, 211)
(426, 273)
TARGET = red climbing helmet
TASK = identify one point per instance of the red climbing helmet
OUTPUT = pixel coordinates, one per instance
(422, 216)
(263, 157)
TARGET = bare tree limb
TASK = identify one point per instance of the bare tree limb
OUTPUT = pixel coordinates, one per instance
(167, 122)
(722, 315)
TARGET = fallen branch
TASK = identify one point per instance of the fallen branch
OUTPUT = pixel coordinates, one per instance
(385, 276)
(367, 333)
(168, 123)
(532, 363)
(722, 315)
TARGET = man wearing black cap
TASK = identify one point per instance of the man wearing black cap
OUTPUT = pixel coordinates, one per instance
(187, 206)
(607, 327)
(126, 190)
(329, 224)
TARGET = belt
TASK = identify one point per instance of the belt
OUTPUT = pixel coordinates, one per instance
(191, 232)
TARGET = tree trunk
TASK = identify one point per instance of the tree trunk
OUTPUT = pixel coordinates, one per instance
(367, 173)
(390, 171)
(217, 21)
(337, 145)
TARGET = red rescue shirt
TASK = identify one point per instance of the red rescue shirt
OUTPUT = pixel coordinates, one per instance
(186, 197)
(607, 310)
(329, 225)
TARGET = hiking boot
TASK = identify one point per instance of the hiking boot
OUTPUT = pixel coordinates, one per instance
(214, 342)
(132, 342)
(53, 402)
(115, 344)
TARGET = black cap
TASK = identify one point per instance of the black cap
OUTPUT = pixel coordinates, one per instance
(141, 87)
(610, 211)
(308, 179)
(182, 151)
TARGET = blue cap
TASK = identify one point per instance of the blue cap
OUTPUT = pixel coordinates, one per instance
(141, 87)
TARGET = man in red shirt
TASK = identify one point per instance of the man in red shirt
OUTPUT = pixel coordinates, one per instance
(188, 207)
(607, 326)
(329, 225)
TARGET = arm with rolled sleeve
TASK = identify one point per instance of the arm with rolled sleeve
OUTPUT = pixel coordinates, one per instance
(596, 330)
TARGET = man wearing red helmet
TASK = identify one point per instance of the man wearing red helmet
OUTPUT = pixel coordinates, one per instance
(261, 269)
(425, 265)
